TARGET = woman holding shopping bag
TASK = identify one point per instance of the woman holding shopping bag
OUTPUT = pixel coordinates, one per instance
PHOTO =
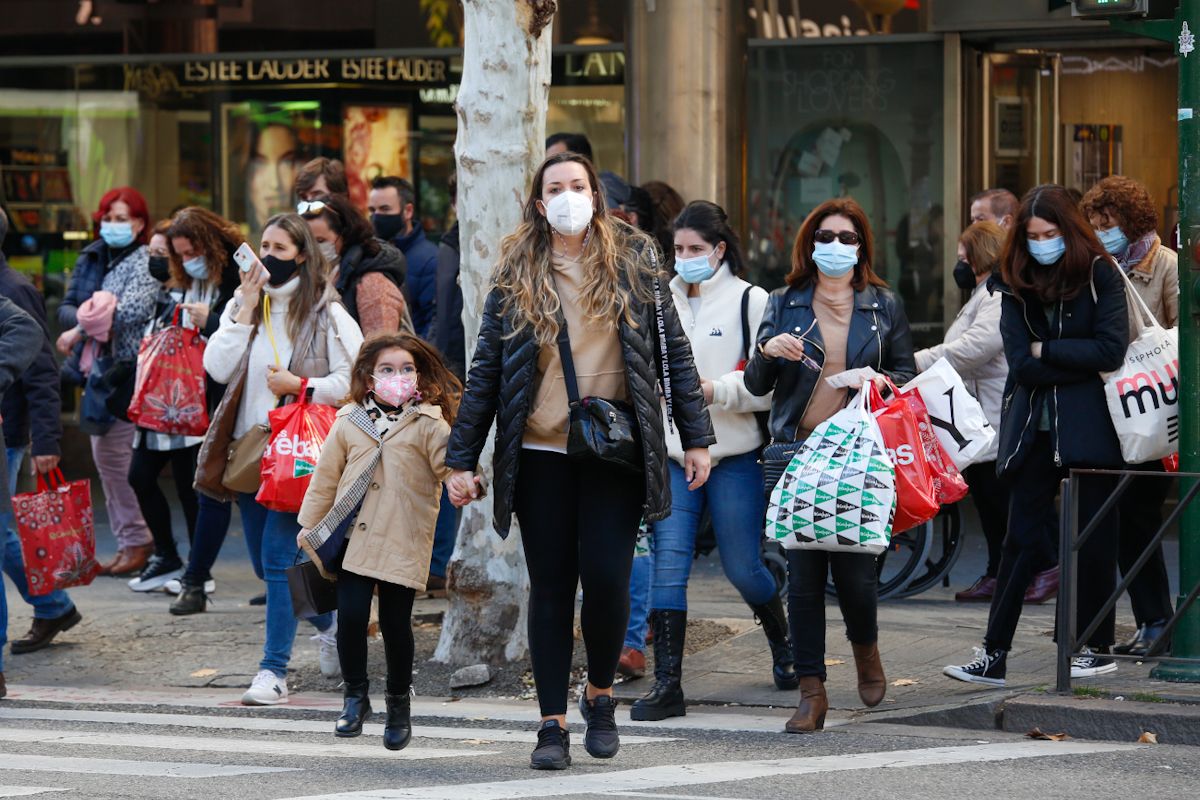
(711, 298)
(573, 314)
(284, 326)
(1064, 320)
(834, 314)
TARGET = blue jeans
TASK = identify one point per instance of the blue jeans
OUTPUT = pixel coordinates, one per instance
(444, 535)
(271, 540)
(639, 600)
(734, 499)
(47, 606)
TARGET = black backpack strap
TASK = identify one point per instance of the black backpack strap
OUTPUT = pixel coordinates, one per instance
(746, 322)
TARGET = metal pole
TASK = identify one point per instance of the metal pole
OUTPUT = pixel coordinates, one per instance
(1186, 643)
(1064, 624)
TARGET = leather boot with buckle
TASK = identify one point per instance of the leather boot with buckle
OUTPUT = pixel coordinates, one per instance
(775, 626)
(872, 684)
(810, 713)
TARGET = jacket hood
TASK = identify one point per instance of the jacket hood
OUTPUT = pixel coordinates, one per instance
(389, 260)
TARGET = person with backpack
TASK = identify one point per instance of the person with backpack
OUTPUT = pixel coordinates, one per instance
(710, 296)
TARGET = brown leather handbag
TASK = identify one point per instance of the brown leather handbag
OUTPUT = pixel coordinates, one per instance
(243, 470)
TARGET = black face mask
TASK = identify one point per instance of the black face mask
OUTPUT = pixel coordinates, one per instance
(280, 271)
(388, 226)
(160, 269)
(964, 276)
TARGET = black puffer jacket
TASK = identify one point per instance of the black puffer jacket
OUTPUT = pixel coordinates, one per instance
(879, 338)
(500, 386)
(1087, 335)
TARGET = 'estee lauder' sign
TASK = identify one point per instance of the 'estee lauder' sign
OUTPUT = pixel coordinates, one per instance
(368, 69)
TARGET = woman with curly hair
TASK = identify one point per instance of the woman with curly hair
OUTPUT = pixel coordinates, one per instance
(1126, 221)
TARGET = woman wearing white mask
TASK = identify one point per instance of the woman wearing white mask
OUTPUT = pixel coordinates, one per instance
(573, 282)
(715, 307)
(835, 314)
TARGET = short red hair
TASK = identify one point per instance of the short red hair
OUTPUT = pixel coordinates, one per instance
(137, 208)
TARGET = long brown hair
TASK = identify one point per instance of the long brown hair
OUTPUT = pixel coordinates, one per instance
(1065, 279)
(313, 271)
(212, 236)
(804, 270)
(984, 244)
(614, 271)
(437, 384)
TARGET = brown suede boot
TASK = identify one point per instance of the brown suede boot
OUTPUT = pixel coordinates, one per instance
(131, 560)
(810, 714)
(872, 685)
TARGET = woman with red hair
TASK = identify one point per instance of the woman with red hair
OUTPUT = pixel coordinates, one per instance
(107, 305)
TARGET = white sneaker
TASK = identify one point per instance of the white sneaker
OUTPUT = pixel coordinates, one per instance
(267, 689)
(327, 654)
(175, 587)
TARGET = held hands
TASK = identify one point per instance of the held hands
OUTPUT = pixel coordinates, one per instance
(784, 346)
(696, 466)
(464, 487)
(281, 382)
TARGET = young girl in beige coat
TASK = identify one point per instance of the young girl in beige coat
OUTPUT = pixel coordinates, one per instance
(368, 516)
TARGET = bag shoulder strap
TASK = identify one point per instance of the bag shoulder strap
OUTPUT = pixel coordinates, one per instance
(568, 363)
(662, 340)
(746, 322)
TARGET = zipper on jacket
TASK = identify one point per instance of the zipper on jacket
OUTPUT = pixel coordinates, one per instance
(1057, 457)
(1028, 419)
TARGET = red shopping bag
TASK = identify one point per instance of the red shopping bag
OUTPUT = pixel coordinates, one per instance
(58, 537)
(298, 431)
(1171, 463)
(916, 496)
(168, 393)
(948, 483)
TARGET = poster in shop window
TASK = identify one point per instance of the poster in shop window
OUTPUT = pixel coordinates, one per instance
(375, 142)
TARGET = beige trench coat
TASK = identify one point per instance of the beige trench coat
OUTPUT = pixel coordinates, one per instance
(392, 538)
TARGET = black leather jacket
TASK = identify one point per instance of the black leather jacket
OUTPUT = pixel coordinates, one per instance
(879, 338)
(500, 386)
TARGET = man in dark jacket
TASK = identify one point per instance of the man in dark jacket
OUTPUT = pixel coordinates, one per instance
(392, 204)
(448, 334)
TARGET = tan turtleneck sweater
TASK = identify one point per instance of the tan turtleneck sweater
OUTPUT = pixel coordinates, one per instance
(833, 309)
(599, 366)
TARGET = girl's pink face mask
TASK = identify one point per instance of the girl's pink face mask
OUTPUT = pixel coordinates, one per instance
(396, 390)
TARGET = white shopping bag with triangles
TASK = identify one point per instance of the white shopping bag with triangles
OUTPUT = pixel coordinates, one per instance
(839, 491)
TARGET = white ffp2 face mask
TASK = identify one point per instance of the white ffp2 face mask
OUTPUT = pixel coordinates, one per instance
(570, 212)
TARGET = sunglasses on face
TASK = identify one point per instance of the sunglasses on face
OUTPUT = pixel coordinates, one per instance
(306, 207)
(824, 236)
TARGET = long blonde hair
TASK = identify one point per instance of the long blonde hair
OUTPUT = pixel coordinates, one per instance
(616, 265)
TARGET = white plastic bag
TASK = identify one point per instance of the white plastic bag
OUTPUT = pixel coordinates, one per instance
(958, 419)
(1143, 395)
(839, 490)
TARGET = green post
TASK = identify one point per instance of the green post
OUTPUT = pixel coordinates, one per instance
(1186, 641)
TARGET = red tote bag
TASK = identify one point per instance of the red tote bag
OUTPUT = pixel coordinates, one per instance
(298, 432)
(916, 495)
(948, 483)
(58, 535)
(168, 393)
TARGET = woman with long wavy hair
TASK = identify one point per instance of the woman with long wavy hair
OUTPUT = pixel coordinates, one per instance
(574, 282)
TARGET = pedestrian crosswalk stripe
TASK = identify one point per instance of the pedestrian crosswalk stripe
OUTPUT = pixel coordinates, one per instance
(214, 744)
(284, 725)
(23, 762)
(697, 774)
(27, 791)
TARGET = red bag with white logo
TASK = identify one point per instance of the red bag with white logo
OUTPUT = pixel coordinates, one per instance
(57, 533)
(168, 393)
(298, 431)
(916, 495)
(948, 483)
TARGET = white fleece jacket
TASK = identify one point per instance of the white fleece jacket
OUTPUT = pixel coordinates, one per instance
(715, 331)
(227, 345)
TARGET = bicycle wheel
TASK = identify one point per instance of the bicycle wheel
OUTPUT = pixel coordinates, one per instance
(896, 565)
(945, 547)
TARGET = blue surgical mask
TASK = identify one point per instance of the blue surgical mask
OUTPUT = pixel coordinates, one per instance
(117, 234)
(696, 269)
(196, 267)
(1114, 240)
(834, 258)
(1047, 251)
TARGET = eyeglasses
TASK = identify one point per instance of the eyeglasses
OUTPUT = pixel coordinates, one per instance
(824, 236)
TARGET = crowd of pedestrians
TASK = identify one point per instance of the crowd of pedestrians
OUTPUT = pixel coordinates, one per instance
(633, 378)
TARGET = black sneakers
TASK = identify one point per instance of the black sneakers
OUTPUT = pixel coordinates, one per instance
(1090, 663)
(600, 740)
(553, 747)
(988, 668)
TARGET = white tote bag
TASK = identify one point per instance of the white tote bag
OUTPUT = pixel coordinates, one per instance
(1143, 395)
(839, 490)
(958, 419)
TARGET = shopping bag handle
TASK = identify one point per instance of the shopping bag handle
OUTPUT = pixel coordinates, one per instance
(177, 315)
(303, 398)
(47, 482)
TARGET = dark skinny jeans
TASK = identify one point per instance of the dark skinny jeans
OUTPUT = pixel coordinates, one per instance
(212, 523)
(857, 585)
(144, 470)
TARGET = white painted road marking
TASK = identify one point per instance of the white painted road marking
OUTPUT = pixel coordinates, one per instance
(27, 791)
(212, 744)
(278, 724)
(23, 762)
(668, 776)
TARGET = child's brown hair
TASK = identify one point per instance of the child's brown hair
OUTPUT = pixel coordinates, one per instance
(437, 384)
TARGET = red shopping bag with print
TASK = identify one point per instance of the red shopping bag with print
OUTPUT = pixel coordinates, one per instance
(916, 495)
(57, 533)
(168, 392)
(298, 432)
(948, 483)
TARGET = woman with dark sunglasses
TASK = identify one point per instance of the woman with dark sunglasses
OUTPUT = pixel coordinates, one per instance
(834, 314)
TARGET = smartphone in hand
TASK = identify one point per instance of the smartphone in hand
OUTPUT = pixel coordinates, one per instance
(245, 257)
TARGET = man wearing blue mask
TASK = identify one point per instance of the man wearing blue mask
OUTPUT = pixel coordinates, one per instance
(392, 204)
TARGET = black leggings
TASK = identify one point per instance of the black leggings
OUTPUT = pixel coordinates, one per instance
(579, 522)
(144, 470)
(395, 623)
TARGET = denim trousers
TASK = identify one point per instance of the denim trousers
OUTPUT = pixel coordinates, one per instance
(734, 500)
(271, 540)
(212, 524)
(47, 606)
(640, 579)
(857, 582)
